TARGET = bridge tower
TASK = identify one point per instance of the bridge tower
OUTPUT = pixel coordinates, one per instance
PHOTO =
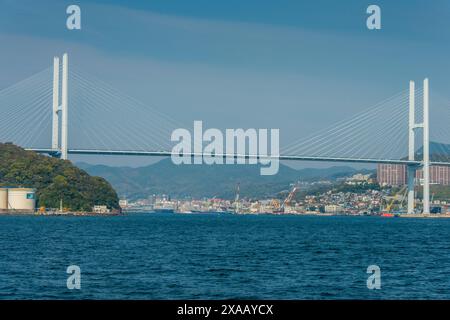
(426, 149)
(64, 107)
(55, 114)
(411, 172)
(60, 111)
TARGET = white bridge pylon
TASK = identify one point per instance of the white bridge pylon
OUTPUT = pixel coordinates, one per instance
(60, 108)
(411, 168)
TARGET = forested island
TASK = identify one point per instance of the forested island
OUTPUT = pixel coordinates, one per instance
(54, 180)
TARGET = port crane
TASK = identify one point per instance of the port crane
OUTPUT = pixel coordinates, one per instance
(287, 201)
(291, 195)
(236, 199)
(403, 193)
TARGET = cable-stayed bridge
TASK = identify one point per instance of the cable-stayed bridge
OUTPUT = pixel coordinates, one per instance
(41, 114)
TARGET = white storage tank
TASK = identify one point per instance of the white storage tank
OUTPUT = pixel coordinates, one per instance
(22, 199)
(3, 198)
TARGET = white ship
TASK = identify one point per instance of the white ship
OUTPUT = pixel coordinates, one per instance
(165, 206)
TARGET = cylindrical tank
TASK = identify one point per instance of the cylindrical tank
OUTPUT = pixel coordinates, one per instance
(3, 198)
(21, 199)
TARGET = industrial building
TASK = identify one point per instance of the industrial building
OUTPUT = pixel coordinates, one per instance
(14, 199)
(100, 209)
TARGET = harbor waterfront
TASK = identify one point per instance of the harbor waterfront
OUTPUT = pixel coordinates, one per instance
(220, 256)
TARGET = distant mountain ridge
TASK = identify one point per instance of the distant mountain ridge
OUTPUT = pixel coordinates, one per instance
(200, 181)
(438, 151)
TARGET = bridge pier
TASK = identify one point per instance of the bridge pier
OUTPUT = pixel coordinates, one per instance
(411, 175)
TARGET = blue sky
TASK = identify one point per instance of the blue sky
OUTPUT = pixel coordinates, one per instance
(295, 65)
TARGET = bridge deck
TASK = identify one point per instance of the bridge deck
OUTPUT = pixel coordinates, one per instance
(281, 157)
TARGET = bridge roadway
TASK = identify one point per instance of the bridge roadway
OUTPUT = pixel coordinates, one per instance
(54, 152)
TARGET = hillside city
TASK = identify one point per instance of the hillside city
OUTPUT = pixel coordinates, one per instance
(359, 194)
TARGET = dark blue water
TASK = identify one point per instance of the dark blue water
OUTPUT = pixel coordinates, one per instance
(162, 256)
